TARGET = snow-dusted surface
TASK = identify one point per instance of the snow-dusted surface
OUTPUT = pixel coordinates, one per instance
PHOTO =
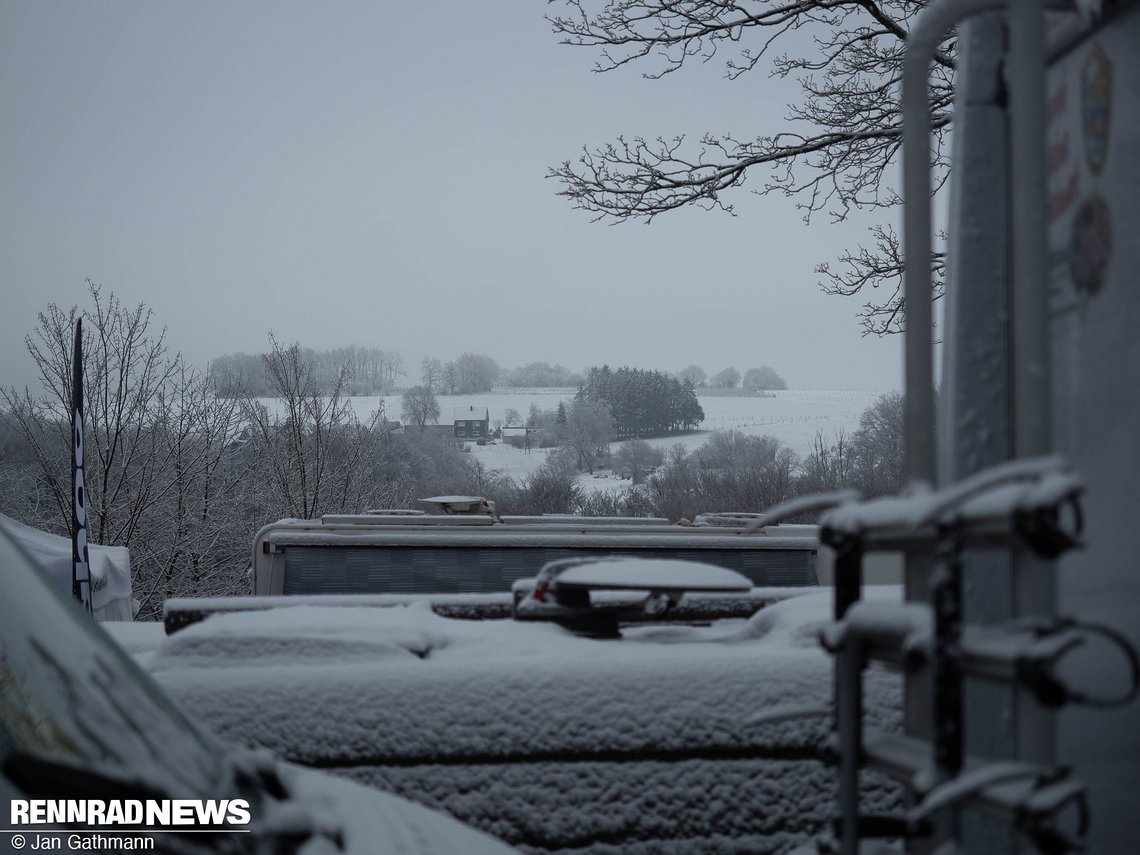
(111, 598)
(371, 822)
(544, 739)
(653, 574)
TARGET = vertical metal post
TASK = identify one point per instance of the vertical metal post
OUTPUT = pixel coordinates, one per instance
(1033, 580)
(946, 682)
(922, 42)
(849, 715)
(848, 576)
(918, 370)
(1026, 75)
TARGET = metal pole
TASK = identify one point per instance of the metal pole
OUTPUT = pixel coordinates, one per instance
(1033, 579)
(1026, 77)
(849, 715)
(922, 42)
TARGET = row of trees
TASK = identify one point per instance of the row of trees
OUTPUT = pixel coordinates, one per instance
(356, 370)
(540, 375)
(763, 379)
(642, 403)
(471, 373)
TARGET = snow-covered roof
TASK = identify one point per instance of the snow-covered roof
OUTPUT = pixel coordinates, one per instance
(469, 413)
(531, 733)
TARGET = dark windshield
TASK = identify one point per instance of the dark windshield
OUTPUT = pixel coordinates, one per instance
(68, 694)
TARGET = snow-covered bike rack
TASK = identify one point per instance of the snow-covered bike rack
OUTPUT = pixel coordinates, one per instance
(1029, 507)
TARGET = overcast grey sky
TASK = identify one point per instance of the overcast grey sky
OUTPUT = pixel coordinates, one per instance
(373, 173)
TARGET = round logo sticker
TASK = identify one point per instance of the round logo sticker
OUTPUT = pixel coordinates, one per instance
(1091, 245)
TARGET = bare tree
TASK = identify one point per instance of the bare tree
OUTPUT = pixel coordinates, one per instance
(693, 373)
(306, 441)
(449, 378)
(418, 406)
(877, 447)
(726, 379)
(475, 372)
(195, 540)
(161, 474)
(829, 465)
(390, 367)
(125, 367)
(588, 428)
(638, 457)
(839, 141)
(763, 379)
(431, 373)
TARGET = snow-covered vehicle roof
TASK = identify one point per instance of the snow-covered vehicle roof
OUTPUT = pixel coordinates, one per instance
(547, 740)
(80, 721)
(467, 553)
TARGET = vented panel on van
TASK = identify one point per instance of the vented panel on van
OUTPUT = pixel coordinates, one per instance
(449, 569)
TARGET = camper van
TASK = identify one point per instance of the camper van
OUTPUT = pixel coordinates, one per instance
(462, 548)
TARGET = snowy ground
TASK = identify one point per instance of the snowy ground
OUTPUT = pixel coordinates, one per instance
(549, 741)
(794, 417)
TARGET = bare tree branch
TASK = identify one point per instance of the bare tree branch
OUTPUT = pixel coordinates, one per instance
(841, 139)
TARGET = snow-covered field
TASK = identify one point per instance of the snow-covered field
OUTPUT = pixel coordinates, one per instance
(794, 417)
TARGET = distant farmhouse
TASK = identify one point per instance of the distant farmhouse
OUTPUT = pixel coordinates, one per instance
(471, 422)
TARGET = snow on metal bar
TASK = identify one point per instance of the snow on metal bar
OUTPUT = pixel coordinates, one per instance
(973, 784)
(802, 505)
(903, 628)
(997, 492)
(997, 652)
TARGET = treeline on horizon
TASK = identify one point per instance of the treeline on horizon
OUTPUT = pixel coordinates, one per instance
(376, 371)
(360, 371)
